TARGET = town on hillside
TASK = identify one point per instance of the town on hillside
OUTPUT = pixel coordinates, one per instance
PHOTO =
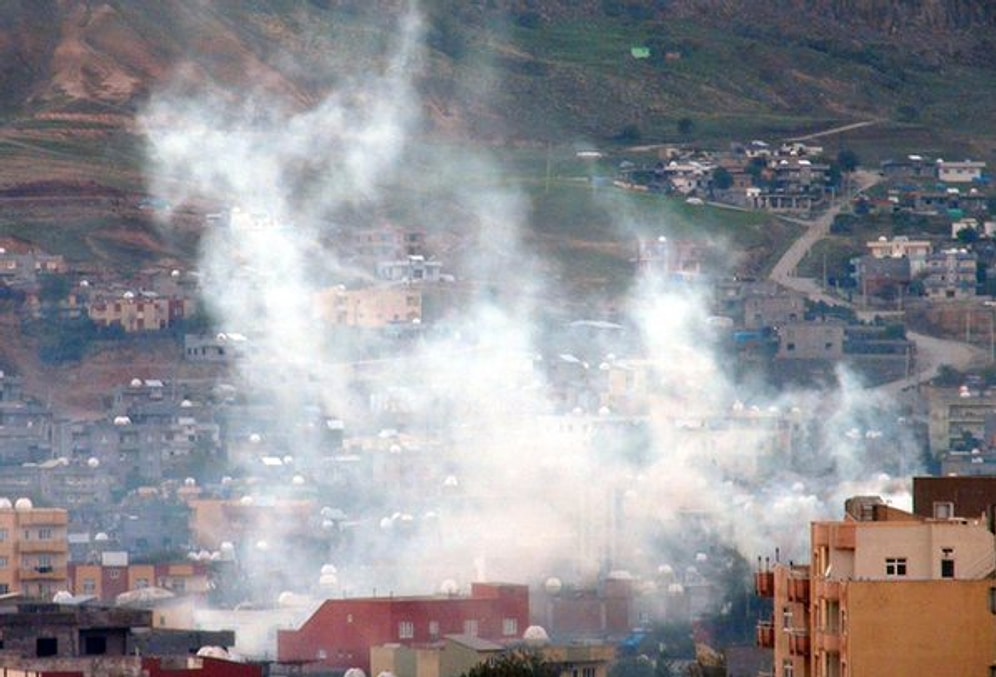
(443, 490)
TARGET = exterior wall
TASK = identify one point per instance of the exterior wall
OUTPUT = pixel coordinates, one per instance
(200, 667)
(215, 521)
(141, 314)
(87, 579)
(371, 308)
(34, 551)
(816, 340)
(971, 547)
(969, 497)
(959, 172)
(340, 633)
(407, 662)
(141, 576)
(950, 415)
(939, 628)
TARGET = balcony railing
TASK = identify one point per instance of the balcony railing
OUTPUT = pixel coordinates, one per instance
(827, 641)
(52, 545)
(766, 635)
(764, 584)
(798, 642)
(798, 589)
(42, 573)
(827, 589)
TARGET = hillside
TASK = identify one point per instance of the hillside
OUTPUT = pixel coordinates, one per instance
(530, 80)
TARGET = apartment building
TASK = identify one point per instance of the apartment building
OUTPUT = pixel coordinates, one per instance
(342, 632)
(34, 549)
(370, 308)
(886, 592)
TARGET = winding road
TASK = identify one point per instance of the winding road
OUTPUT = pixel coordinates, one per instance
(931, 352)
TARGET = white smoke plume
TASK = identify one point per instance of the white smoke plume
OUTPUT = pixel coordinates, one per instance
(499, 479)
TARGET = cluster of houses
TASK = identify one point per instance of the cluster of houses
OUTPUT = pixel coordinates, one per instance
(791, 178)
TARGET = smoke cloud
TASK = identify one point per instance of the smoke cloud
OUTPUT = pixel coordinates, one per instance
(490, 472)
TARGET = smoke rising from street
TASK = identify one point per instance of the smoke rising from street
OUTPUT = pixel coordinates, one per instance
(493, 475)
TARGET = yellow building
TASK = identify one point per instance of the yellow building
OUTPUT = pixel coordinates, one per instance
(887, 593)
(371, 308)
(34, 549)
(458, 654)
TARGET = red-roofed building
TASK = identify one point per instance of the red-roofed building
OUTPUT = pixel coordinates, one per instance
(339, 635)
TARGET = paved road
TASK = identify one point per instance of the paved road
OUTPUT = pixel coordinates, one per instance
(931, 352)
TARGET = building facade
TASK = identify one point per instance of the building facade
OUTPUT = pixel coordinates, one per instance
(341, 633)
(887, 592)
(34, 549)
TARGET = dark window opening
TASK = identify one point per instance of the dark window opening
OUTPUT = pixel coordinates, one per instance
(947, 568)
(46, 646)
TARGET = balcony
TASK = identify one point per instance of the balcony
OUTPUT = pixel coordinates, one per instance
(42, 573)
(798, 589)
(764, 584)
(827, 641)
(52, 546)
(765, 635)
(827, 589)
(798, 642)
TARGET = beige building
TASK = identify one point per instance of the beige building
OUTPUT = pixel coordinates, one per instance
(34, 549)
(370, 308)
(140, 312)
(960, 172)
(901, 247)
(887, 593)
(460, 653)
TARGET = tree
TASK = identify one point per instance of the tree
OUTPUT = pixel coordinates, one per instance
(515, 663)
(847, 160)
(686, 126)
(722, 179)
(633, 666)
(629, 134)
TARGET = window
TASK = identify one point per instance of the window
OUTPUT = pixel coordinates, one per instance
(3, 534)
(45, 534)
(94, 646)
(788, 669)
(947, 568)
(895, 566)
(587, 672)
(434, 629)
(943, 510)
(786, 618)
(406, 630)
(3, 562)
(114, 574)
(46, 646)
(89, 586)
(470, 627)
(509, 627)
(141, 583)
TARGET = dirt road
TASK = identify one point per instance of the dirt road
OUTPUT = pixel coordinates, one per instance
(931, 352)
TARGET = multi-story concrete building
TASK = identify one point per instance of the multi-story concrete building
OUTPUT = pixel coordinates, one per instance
(341, 633)
(964, 171)
(887, 592)
(951, 274)
(34, 549)
(370, 308)
(144, 311)
(106, 581)
(957, 417)
(901, 247)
